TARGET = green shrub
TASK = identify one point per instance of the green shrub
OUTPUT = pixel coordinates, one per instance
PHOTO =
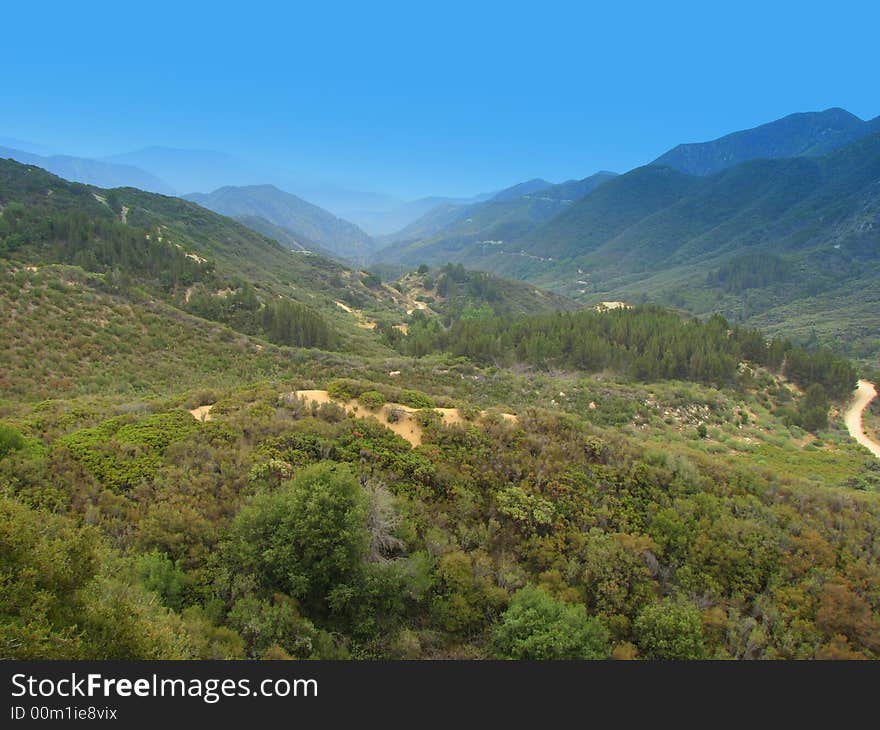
(416, 399)
(345, 390)
(538, 626)
(11, 439)
(670, 629)
(371, 399)
(305, 539)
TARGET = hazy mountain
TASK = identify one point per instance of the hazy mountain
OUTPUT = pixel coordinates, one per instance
(524, 188)
(806, 134)
(93, 172)
(295, 215)
(287, 239)
(385, 222)
(25, 146)
(191, 169)
(509, 214)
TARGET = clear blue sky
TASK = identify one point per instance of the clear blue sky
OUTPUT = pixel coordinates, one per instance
(419, 98)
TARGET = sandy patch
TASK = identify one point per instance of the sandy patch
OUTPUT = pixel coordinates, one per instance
(202, 413)
(406, 426)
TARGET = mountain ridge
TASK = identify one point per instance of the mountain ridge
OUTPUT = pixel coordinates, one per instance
(290, 213)
(91, 171)
(808, 134)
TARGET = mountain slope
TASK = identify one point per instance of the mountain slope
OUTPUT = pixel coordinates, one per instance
(446, 231)
(93, 172)
(163, 257)
(175, 252)
(807, 134)
(293, 214)
(813, 222)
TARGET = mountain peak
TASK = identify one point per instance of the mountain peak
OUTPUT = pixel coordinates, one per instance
(804, 134)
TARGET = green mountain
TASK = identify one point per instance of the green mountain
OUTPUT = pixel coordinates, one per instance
(449, 229)
(164, 249)
(696, 242)
(292, 214)
(809, 134)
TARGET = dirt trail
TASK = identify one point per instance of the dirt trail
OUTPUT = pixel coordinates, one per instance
(865, 393)
(405, 424)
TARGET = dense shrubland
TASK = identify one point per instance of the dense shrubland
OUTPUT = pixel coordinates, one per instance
(283, 529)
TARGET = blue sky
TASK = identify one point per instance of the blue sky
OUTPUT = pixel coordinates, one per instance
(426, 98)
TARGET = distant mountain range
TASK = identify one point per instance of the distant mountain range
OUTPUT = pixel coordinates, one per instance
(385, 222)
(776, 226)
(780, 228)
(509, 213)
(94, 172)
(300, 222)
(191, 170)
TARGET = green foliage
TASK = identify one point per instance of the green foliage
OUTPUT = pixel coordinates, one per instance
(343, 390)
(648, 343)
(371, 399)
(11, 439)
(273, 624)
(371, 280)
(289, 323)
(750, 271)
(62, 598)
(466, 600)
(416, 399)
(538, 626)
(305, 539)
(812, 414)
(158, 573)
(670, 629)
(122, 453)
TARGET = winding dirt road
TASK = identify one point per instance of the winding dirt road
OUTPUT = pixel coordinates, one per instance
(865, 393)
